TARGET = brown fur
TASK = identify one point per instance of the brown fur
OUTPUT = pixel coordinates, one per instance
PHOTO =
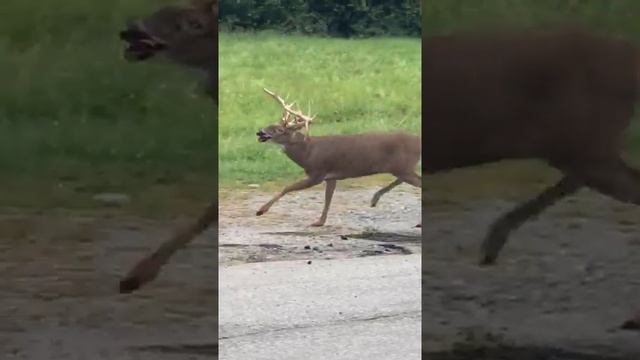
(564, 95)
(338, 157)
(188, 36)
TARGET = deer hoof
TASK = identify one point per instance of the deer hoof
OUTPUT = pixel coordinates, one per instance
(487, 260)
(317, 224)
(129, 285)
(260, 212)
(632, 324)
(419, 225)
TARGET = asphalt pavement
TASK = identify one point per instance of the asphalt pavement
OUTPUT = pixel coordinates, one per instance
(359, 308)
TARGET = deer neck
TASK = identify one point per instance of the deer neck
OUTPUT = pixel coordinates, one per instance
(298, 149)
(200, 54)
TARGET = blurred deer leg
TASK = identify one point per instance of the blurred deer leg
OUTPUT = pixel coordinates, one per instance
(412, 179)
(328, 195)
(149, 267)
(300, 185)
(620, 181)
(500, 229)
(384, 190)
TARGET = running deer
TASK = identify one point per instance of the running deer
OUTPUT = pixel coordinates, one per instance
(338, 157)
(188, 36)
(563, 95)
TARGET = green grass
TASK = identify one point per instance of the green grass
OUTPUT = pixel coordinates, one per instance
(353, 86)
(76, 119)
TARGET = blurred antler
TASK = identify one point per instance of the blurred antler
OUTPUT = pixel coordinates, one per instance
(299, 119)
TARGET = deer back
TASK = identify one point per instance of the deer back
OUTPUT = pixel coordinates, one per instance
(552, 94)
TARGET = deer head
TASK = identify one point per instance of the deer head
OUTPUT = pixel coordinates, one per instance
(186, 34)
(290, 124)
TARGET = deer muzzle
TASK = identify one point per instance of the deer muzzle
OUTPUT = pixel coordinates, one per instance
(140, 45)
(263, 136)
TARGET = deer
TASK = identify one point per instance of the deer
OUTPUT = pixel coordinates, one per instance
(188, 36)
(563, 95)
(337, 157)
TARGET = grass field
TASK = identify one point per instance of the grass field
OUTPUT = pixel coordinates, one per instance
(353, 86)
(76, 119)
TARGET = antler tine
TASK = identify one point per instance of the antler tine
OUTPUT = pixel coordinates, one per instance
(289, 110)
(277, 97)
(285, 107)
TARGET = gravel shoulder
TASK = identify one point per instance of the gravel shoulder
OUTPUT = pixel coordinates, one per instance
(562, 285)
(353, 228)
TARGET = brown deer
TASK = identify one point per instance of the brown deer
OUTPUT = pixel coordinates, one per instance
(338, 157)
(564, 95)
(188, 36)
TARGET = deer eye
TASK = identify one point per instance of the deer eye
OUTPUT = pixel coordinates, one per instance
(279, 130)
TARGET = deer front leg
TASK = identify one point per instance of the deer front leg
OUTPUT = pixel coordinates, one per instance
(328, 195)
(300, 185)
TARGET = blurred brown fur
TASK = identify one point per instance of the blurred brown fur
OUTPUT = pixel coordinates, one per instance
(564, 95)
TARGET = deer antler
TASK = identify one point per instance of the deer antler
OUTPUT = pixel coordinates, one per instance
(299, 117)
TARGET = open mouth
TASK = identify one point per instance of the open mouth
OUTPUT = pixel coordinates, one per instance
(140, 46)
(262, 136)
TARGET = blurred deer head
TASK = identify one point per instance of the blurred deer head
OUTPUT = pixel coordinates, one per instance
(288, 128)
(186, 34)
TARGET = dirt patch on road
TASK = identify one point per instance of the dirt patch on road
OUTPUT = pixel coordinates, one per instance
(60, 298)
(561, 287)
(353, 229)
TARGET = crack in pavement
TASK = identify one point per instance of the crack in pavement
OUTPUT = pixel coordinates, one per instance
(328, 324)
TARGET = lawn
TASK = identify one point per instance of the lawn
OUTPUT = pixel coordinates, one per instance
(76, 119)
(352, 85)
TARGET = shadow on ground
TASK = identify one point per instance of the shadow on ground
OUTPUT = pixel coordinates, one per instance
(491, 346)
(517, 353)
(186, 349)
(387, 237)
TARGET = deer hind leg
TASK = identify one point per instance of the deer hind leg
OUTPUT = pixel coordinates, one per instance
(300, 185)
(328, 195)
(613, 178)
(620, 181)
(412, 179)
(513, 219)
(384, 190)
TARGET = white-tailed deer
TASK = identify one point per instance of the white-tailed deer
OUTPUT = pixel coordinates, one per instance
(564, 95)
(338, 157)
(187, 35)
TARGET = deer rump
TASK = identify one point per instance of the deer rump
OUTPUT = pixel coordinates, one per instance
(349, 156)
(561, 95)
